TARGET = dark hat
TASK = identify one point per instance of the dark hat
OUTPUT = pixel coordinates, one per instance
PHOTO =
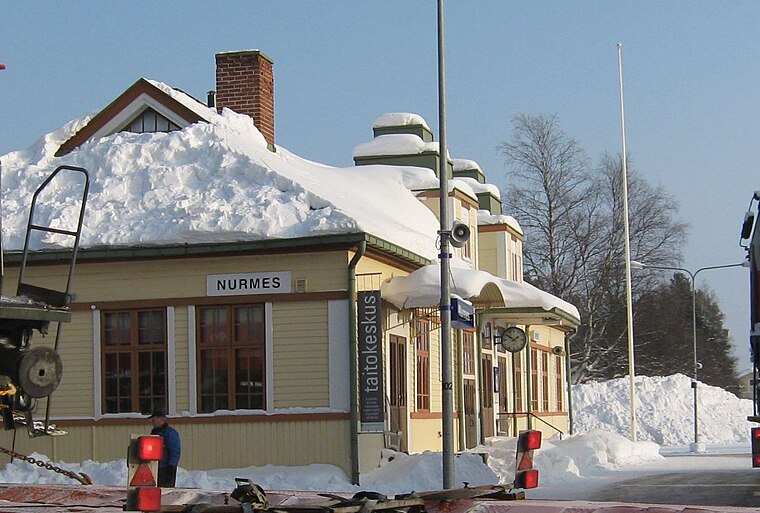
(157, 412)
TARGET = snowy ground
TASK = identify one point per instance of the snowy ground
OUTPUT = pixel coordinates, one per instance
(571, 468)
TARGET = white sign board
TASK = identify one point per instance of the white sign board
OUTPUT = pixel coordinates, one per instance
(243, 284)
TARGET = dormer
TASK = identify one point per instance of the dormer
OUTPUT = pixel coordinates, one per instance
(244, 84)
(401, 139)
(147, 106)
(402, 123)
(500, 240)
(489, 198)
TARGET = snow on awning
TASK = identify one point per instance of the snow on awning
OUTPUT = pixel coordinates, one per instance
(422, 288)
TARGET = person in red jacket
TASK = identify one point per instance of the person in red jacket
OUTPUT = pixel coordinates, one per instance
(167, 467)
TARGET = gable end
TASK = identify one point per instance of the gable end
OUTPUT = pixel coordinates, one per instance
(119, 113)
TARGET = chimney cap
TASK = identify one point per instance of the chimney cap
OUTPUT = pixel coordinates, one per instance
(246, 52)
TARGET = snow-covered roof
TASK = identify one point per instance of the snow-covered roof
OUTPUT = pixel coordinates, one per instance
(212, 181)
(422, 288)
(203, 111)
(394, 144)
(464, 165)
(394, 119)
(486, 218)
(478, 187)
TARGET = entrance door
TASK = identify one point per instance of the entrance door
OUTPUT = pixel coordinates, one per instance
(397, 391)
(470, 416)
(486, 397)
(502, 420)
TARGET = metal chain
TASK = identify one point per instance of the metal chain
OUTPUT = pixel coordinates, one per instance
(81, 477)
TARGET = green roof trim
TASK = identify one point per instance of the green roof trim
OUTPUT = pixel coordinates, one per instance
(537, 312)
(209, 249)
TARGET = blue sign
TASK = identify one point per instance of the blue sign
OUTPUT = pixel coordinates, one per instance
(462, 314)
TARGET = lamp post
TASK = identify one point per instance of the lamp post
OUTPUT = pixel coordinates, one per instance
(696, 446)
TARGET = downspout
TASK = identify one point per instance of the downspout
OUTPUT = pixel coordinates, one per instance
(529, 380)
(569, 336)
(353, 344)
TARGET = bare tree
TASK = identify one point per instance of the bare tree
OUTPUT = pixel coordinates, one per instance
(572, 216)
(548, 195)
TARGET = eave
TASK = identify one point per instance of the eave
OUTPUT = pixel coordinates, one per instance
(378, 246)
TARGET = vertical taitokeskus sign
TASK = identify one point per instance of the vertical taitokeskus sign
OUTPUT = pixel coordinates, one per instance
(370, 361)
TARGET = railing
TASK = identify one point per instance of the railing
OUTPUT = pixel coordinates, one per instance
(513, 415)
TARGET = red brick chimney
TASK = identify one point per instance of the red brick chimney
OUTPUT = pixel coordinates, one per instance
(245, 84)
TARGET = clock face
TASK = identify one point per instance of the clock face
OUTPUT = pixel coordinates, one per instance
(513, 339)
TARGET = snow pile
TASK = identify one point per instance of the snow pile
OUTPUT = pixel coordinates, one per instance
(398, 473)
(664, 411)
(591, 453)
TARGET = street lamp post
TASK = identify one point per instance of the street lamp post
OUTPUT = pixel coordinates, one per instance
(696, 446)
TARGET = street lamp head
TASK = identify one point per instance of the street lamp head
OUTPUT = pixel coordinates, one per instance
(638, 265)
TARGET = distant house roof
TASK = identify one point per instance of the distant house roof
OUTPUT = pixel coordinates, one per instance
(179, 108)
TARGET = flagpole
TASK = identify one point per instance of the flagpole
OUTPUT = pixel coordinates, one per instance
(628, 294)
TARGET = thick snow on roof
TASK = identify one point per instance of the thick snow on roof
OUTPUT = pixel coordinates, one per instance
(185, 99)
(209, 182)
(394, 144)
(465, 164)
(399, 119)
(485, 217)
(422, 288)
(478, 187)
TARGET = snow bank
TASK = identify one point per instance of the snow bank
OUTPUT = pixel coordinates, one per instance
(598, 451)
(664, 412)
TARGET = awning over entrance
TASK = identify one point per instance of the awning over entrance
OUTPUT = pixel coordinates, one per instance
(422, 288)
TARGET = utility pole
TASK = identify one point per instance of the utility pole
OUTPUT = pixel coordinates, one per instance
(445, 256)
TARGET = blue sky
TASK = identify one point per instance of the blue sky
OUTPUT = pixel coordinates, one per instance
(690, 76)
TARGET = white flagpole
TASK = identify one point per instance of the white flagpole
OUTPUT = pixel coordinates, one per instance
(629, 300)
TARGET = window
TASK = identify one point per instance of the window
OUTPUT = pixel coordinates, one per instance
(231, 350)
(503, 392)
(468, 353)
(514, 258)
(423, 365)
(544, 381)
(560, 388)
(150, 121)
(486, 370)
(534, 380)
(134, 361)
(517, 362)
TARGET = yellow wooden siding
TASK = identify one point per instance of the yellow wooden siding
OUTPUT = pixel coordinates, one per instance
(158, 279)
(301, 369)
(182, 359)
(368, 266)
(205, 446)
(74, 396)
(425, 435)
(488, 253)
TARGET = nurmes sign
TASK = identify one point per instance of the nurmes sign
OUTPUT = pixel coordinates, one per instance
(242, 284)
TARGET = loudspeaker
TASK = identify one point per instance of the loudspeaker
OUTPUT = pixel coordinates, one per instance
(557, 350)
(460, 233)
